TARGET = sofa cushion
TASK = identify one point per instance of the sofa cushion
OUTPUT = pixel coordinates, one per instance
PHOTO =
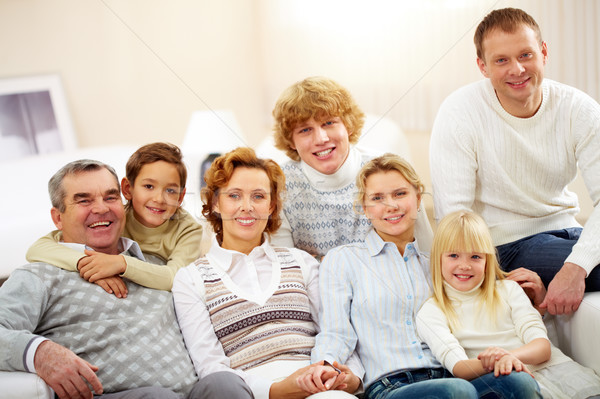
(578, 333)
(21, 385)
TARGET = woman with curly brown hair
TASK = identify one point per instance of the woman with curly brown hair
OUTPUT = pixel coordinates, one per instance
(248, 307)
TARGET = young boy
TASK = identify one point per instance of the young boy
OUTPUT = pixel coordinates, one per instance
(154, 187)
(316, 124)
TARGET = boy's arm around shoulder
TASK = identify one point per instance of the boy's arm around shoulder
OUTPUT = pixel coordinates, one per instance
(48, 250)
(187, 237)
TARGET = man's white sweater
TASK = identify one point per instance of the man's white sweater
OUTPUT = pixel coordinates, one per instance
(514, 171)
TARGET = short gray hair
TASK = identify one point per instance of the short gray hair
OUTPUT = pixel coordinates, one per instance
(56, 188)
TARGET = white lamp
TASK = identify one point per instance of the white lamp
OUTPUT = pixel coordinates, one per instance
(213, 131)
(209, 132)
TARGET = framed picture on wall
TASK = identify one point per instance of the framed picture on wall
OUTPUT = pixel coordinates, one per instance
(34, 118)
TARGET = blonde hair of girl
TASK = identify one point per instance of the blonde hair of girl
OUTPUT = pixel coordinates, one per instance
(464, 231)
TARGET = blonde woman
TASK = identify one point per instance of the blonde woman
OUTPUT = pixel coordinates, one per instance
(371, 291)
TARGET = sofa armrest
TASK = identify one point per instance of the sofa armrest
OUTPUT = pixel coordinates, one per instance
(577, 334)
(21, 385)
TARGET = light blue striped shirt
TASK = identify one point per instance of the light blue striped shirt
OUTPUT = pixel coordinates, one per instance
(370, 296)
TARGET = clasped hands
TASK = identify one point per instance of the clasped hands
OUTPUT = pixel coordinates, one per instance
(321, 377)
(104, 270)
(501, 361)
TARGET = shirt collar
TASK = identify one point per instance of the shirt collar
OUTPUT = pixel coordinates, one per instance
(224, 258)
(344, 176)
(375, 245)
(126, 245)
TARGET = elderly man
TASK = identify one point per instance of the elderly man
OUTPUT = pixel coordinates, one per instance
(80, 340)
(508, 146)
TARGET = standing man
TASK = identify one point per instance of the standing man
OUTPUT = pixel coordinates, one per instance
(508, 146)
(81, 341)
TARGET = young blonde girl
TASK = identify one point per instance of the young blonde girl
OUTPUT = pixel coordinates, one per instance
(478, 322)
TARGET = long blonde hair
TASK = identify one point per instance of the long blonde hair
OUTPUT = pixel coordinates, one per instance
(464, 231)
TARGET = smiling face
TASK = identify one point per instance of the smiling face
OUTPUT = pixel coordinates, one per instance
(94, 214)
(514, 63)
(391, 203)
(155, 194)
(322, 144)
(463, 270)
(245, 206)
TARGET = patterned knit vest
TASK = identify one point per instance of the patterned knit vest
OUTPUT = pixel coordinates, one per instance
(322, 220)
(251, 335)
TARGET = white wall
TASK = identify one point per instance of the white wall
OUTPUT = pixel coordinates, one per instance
(135, 70)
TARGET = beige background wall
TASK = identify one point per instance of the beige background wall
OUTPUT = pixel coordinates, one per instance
(133, 71)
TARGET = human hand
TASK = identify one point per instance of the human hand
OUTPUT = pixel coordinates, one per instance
(65, 372)
(507, 363)
(321, 377)
(531, 283)
(352, 381)
(114, 285)
(490, 356)
(289, 388)
(565, 291)
(97, 265)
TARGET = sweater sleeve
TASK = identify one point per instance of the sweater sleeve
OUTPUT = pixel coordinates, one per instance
(528, 322)
(586, 127)
(453, 160)
(23, 298)
(48, 250)
(185, 251)
(310, 270)
(433, 329)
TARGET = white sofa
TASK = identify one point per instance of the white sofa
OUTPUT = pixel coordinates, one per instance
(26, 217)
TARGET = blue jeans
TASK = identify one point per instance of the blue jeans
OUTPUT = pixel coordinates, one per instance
(421, 384)
(545, 253)
(516, 385)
